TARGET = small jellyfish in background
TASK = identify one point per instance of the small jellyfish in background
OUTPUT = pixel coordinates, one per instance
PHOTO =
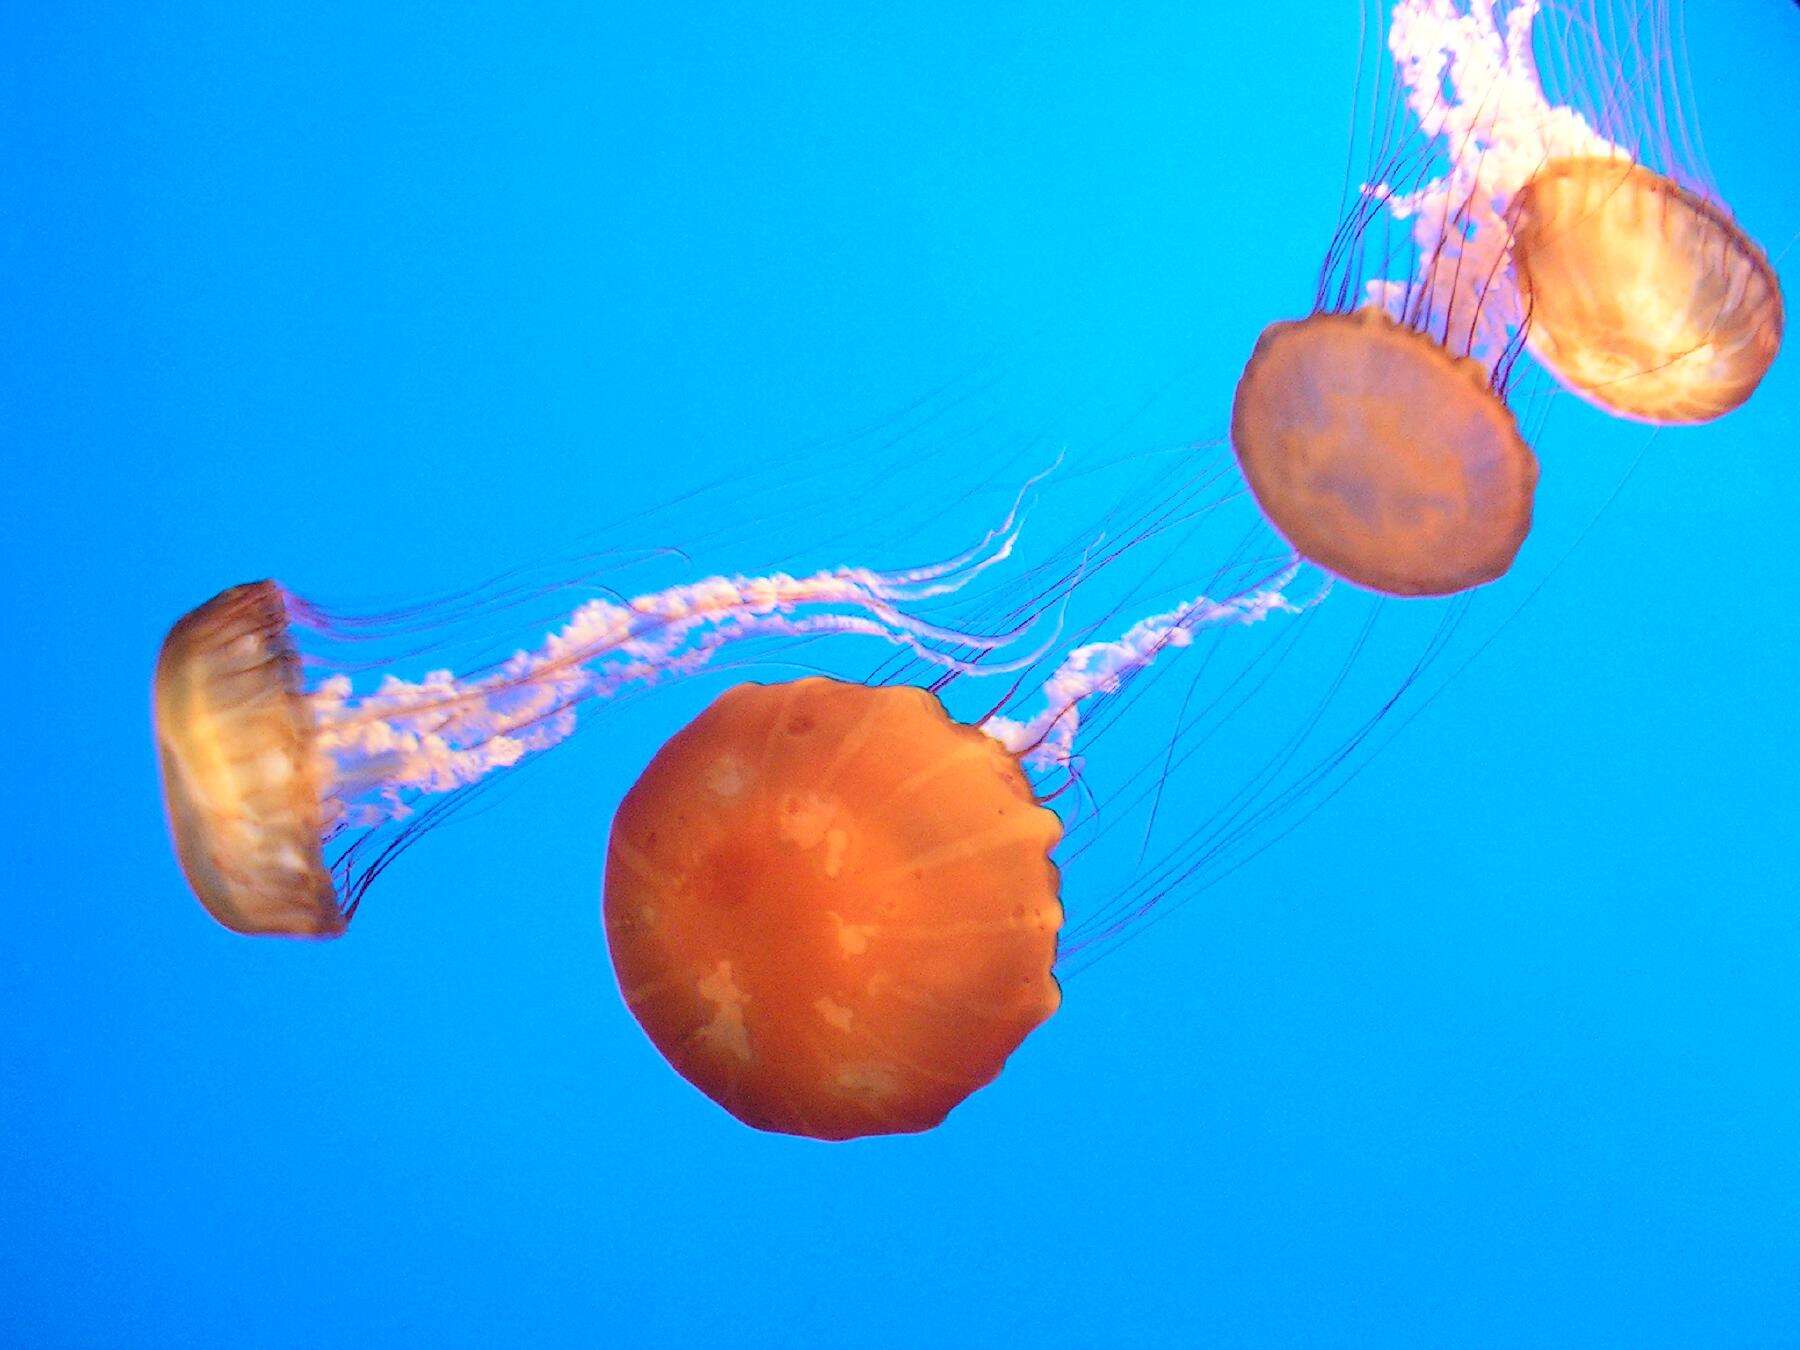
(1635, 286)
(286, 801)
(832, 908)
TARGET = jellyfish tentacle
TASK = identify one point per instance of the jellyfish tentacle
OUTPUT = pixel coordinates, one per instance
(1098, 668)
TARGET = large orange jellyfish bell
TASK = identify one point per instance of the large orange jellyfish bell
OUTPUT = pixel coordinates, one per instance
(832, 908)
(241, 778)
(1643, 298)
(1382, 455)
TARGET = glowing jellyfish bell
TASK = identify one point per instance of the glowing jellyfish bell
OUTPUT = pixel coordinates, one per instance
(239, 768)
(285, 800)
(1637, 289)
(832, 908)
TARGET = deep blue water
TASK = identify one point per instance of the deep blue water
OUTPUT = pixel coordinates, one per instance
(1498, 1047)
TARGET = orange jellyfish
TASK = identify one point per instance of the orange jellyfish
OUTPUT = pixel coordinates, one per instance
(285, 801)
(240, 776)
(832, 908)
(1635, 286)
(1383, 454)
(1644, 298)
(1375, 433)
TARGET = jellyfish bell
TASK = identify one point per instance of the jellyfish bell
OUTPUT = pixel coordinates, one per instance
(1374, 432)
(832, 908)
(240, 767)
(1643, 297)
(1381, 455)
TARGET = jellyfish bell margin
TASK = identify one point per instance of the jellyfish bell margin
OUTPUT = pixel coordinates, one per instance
(832, 908)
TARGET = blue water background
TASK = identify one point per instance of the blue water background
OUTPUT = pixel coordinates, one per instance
(1501, 1046)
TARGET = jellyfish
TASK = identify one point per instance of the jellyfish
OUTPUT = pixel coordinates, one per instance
(1636, 288)
(1644, 298)
(832, 907)
(1382, 453)
(286, 800)
(240, 769)
(1375, 432)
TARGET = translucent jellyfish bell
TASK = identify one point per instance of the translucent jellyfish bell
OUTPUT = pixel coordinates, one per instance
(241, 771)
(1375, 434)
(1644, 298)
(1383, 456)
